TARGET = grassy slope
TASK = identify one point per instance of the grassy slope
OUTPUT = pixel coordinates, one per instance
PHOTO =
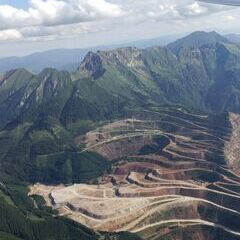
(44, 151)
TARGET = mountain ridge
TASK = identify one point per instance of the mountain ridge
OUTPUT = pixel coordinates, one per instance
(130, 77)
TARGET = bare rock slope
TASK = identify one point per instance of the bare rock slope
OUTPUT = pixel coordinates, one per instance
(232, 148)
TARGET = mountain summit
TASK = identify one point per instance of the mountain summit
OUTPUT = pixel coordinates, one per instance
(197, 39)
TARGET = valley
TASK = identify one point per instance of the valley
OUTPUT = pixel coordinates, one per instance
(168, 179)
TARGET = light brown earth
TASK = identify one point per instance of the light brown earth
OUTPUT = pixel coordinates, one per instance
(181, 188)
(232, 148)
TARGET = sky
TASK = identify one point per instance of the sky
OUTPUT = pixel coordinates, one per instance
(28, 26)
(16, 3)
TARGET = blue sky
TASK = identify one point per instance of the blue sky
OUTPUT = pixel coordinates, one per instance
(15, 3)
(28, 26)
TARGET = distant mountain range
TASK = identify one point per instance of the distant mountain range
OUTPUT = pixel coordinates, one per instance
(233, 37)
(67, 59)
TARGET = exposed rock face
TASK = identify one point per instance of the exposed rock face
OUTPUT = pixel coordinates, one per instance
(173, 183)
(131, 57)
(92, 66)
(232, 147)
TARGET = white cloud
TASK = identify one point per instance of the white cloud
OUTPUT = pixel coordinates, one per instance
(196, 9)
(223, 2)
(10, 34)
(168, 10)
(54, 19)
(57, 12)
(230, 18)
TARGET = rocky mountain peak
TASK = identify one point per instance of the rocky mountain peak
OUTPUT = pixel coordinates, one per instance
(129, 56)
(92, 66)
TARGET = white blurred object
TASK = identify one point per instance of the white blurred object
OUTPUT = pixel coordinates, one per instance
(223, 2)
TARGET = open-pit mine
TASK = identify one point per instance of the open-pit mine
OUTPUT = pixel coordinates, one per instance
(174, 176)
